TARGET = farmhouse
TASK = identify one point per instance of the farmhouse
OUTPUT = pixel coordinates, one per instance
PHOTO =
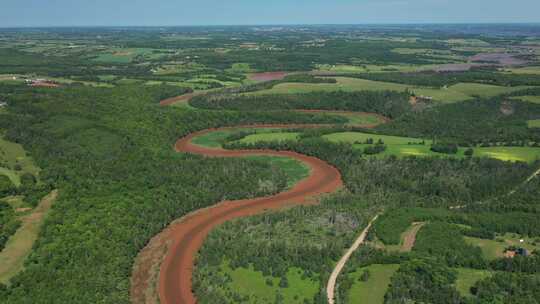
(513, 252)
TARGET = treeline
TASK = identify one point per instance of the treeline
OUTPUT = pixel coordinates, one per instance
(8, 223)
(387, 103)
(472, 122)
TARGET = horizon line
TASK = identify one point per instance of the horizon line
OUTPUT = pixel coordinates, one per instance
(269, 24)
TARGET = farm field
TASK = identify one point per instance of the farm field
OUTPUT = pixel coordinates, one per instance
(533, 99)
(534, 123)
(373, 290)
(454, 93)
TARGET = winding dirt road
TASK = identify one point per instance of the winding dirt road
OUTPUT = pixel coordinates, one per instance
(182, 239)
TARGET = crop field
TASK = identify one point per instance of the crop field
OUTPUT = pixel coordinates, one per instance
(455, 93)
(373, 290)
(466, 278)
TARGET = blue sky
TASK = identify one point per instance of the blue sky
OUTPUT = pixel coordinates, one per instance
(223, 12)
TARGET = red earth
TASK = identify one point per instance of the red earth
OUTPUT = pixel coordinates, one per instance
(182, 239)
(267, 76)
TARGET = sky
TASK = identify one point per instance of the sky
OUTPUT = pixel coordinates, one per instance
(28, 13)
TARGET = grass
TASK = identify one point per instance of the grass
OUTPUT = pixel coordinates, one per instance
(399, 146)
(534, 123)
(533, 99)
(466, 278)
(294, 169)
(12, 155)
(20, 244)
(373, 290)
(531, 70)
(356, 119)
(276, 136)
(524, 154)
(493, 249)
(248, 282)
(455, 93)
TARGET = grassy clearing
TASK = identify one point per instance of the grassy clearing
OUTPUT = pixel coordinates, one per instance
(14, 161)
(493, 249)
(356, 119)
(120, 55)
(20, 244)
(248, 282)
(524, 154)
(455, 93)
(533, 99)
(484, 90)
(532, 70)
(277, 136)
(373, 290)
(534, 123)
(466, 278)
(294, 169)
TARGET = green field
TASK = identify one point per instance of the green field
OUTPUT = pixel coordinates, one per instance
(532, 70)
(120, 55)
(533, 99)
(534, 123)
(13, 157)
(493, 249)
(373, 290)
(277, 136)
(466, 278)
(399, 146)
(248, 282)
(455, 93)
(524, 154)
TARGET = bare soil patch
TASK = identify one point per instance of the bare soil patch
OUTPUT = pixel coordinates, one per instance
(410, 237)
(267, 76)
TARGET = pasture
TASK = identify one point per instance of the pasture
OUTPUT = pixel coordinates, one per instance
(454, 93)
(373, 290)
(493, 249)
(533, 99)
(534, 123)
(264, 289)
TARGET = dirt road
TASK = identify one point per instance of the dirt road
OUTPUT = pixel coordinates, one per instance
(331, 286)
(182, 239)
